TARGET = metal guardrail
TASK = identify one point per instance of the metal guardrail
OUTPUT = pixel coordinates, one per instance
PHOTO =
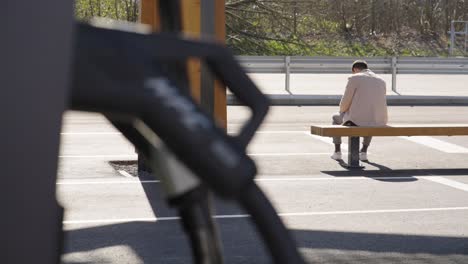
(453, 36)
(335, 65)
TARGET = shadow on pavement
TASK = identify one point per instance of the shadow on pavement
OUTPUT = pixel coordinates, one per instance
(377, 165)
(387, 172)
(363, 172)
(164, 242)
(385, 169)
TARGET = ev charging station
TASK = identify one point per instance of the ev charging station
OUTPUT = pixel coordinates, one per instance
(36, 50)
(53, 64)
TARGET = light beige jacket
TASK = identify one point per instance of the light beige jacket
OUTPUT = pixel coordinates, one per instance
(364, 101)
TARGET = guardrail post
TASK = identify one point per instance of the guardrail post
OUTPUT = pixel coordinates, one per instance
(287, 64)
(466, 34)
(394, 73)
(452, 36)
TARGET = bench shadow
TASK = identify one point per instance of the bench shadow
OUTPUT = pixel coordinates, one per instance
(381, 167)
(345, 165)
(388, 173)
(362, 172)
(377, 165)
(385, 169)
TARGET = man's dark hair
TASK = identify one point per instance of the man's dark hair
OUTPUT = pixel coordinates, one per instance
(360, 65)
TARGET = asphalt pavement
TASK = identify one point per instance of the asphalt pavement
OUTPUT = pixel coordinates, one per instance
(408, 205)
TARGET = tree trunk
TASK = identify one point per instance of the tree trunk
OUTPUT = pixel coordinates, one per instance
(116, 7)
(372, 16)
(465, 10)
(295, 18)
(127, 10)
(91, 7)
(396, 16)
(343, 16)
(446, 14)
(135, 10)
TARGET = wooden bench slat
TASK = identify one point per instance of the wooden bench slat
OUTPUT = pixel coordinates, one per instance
(392, 130)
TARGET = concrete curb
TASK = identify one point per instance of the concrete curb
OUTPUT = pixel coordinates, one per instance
(305, 99)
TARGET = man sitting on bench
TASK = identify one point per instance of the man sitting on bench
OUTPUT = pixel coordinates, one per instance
(364, 103)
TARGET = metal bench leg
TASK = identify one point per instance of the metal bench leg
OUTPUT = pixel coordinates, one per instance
(353, 153)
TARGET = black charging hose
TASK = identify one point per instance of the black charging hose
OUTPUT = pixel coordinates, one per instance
(195, 212)
(194, 207)
(274, 233)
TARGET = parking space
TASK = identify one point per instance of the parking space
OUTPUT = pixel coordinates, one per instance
(409, 204)
(457, 140)
(94, 145)
(88, 168)
(284, 143)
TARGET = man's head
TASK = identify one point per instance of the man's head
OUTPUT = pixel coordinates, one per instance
(358, 66)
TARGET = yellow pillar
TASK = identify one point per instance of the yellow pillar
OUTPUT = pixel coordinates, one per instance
(220, 104)
(148, 14)
(191, 23)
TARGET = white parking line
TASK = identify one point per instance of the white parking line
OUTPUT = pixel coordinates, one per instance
(289, 154)
(437, 144)
(76, 182)
(280, 132)
(259, 179)
(275, 123)
(357, 178)
(122, 220)
(89, 133)
(411, 210)
(448, 182)
(230, 132)
(133, 156)
(130, 156)
(125, 174)
(355, 212)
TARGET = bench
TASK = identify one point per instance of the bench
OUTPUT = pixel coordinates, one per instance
(353, 133)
